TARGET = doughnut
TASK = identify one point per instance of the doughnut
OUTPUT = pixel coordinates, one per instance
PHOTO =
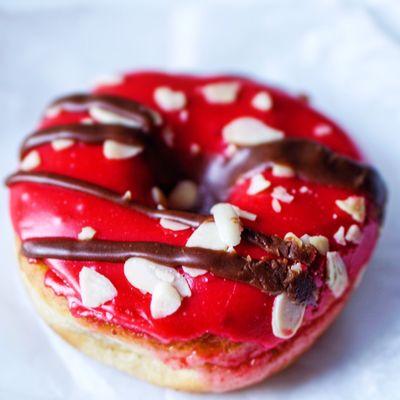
(197, 232)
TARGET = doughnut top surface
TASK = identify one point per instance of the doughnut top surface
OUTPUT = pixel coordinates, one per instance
(243, 143)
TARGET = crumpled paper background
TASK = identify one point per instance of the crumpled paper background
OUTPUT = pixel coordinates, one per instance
(346, 54)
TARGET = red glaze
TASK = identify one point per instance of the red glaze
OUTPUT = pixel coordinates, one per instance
(224, 308)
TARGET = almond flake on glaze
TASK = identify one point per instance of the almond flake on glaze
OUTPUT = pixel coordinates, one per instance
(144, 275)
(164, 301)
(244, 214)
(286, 317)
(281, 194)
(205, 236)
(95, 288)
(228, 223)
(113, 150)
(262, 101)
(276, 206)
(221, 92)
(104, 116)
(291, 236)
(173, 225)
(354, 206)
(257, 184)
(354, 234)
(249, 131)
(30, 161)
(61, 144)
(337, 273)
(158, 196)
(87, 233)
(282, 171)
(339, 236)
(168, 99)
(183, 196)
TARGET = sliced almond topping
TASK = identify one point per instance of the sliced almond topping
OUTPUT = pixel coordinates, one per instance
(173, 225)
(282, 171)
(322, 130)
(113, 150)
(258, 184)
(286, 317)
(321, 243)
(61, 144)
(86, 233)
(262, 101)
(228, 223)
(276, 206)
(144, 275)
(221, 92)
(164, 301)
(168, 99)
(158, 196)
(96, 289)
(183, 196)
(206, 236)
(244, 214)
(339, 236)
(281, 194)
(354, 234)
(127, 195)
(53, 111)
(291, 236)
(109, 117)
(304, 189)
(296, 268)
(248, 131)
(354, 206)
(30, 161)
(337, 273)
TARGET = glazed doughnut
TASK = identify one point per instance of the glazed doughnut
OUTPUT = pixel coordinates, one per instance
(196, 232)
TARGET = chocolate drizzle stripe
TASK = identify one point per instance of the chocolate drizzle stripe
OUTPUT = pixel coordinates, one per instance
(85, 133)
(270, 276)
(79, 185)
(142, 116)
(311, 161)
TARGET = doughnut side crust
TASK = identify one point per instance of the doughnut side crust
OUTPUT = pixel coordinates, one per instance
(147, 358)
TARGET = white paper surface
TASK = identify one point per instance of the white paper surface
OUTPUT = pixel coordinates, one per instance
(346, 54)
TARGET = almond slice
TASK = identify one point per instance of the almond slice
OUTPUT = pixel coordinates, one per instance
(257, 184)
(173, 225)
(337, 273)
(354, 234)
(113, 150)
(61, 144)
(86, 233)
(286, 317)
(244, 214)
(282, 171)
(183, 196)
(168, 99)
(339, 236)
(221, 92)
(164, 301)
(30, 161)
(228, 223)
(104, 116)
(354, 206)
(262, 101)
(248, 131)
(95, 288)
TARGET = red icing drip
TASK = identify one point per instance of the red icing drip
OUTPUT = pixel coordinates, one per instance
(228, 309)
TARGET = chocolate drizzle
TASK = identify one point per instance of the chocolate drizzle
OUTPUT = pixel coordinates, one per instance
(85, 133)
(311, 161)
(270, 276)
(79, 185)
(141, 116)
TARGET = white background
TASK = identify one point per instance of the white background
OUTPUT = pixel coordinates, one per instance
(346, 54)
